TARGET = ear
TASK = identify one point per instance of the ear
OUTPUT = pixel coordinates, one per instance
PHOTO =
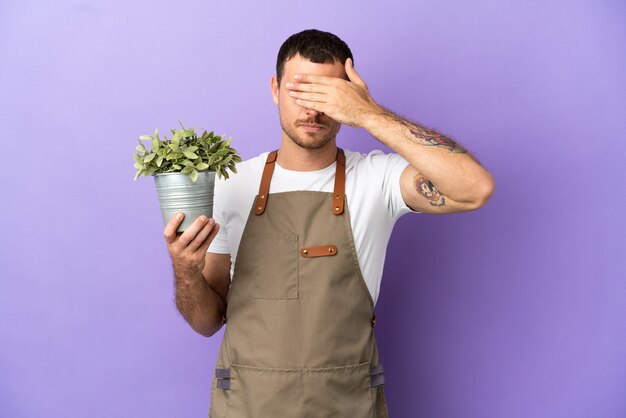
(274, 87)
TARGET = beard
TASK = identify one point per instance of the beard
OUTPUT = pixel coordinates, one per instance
(310, 140)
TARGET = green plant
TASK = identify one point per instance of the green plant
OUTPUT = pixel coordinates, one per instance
(185, 152)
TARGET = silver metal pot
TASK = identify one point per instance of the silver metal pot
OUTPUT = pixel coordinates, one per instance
(177, 193)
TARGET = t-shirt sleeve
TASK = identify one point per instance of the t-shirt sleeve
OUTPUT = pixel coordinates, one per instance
(391, 167)
(219, 244)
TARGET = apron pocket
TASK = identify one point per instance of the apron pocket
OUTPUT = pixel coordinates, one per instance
(338, 392)
(264, 393)
(278, 278)
(329, 392)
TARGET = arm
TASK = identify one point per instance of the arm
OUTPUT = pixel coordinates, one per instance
(461, 182)
(201, 279)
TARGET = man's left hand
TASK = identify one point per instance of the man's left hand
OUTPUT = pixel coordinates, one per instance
(347, 102)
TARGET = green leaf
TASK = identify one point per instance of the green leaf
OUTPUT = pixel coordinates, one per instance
(175, 144)
(202, 166)
(149, 157)
(137, 174)
(225, 144)
(146, 137)
(159, 161)
(190, 154)
(194, 175)
(222, 152)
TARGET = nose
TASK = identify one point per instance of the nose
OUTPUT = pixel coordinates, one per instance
(312, 112)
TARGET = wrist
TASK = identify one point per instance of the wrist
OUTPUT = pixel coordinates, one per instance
(373, 118)
(187, 274)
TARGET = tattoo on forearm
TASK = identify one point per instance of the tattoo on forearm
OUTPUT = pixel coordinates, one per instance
(424, 187)
(429, 137)
(434, 139)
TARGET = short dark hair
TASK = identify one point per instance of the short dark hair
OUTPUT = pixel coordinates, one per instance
(316, 46)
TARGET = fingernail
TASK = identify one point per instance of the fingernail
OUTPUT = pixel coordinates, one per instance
(179, 216)
(203, 219)
(289, 84)
(297, 76)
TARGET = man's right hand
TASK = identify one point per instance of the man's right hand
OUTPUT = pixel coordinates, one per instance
(188, 249)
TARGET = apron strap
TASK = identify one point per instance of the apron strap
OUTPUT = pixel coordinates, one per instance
(377, 375)
(223, 378)
(338, 193)
(264, 189)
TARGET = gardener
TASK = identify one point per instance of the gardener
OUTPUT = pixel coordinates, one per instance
(306, 228)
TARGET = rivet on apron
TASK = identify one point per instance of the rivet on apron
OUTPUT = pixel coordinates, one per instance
(262, 196)
(305, 251)
(330, 250)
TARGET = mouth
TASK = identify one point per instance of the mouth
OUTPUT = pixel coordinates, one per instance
(311, 127)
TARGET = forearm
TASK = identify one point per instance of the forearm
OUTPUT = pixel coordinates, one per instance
(199, 304)
(454, 171)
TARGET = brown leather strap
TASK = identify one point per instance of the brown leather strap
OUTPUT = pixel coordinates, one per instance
(319, 251)
(339, 195)
(264, 189)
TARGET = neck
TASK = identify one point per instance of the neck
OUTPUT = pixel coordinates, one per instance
(293, 157)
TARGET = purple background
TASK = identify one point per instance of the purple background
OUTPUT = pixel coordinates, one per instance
(516, 310)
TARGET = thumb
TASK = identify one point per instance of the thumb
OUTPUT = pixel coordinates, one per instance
(352, 74)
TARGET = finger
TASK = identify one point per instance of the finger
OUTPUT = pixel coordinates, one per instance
(318, 106)
(201, 236)
(207, 242)
(193, 230)
(352, 74)
(315, 79)
(170, 229)
(311, 97)
(308, 87)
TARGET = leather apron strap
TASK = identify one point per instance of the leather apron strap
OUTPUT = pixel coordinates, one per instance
(339, 192)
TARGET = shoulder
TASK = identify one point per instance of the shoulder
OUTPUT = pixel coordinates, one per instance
(375, 161)
(245, 170)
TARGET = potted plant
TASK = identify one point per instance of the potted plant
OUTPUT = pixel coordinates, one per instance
(184, 169)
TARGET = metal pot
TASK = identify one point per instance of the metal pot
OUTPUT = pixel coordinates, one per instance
(177, 193)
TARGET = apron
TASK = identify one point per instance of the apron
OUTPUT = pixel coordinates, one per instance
(299, 339)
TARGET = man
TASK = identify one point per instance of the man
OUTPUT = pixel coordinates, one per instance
(306, 228)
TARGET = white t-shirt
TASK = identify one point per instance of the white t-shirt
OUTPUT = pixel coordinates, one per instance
(373, 196)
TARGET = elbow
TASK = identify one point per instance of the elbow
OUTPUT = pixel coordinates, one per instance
(485, 189)
(204, 324)
(206, 328)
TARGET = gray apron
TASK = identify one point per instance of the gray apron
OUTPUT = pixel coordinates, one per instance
(299, 339)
